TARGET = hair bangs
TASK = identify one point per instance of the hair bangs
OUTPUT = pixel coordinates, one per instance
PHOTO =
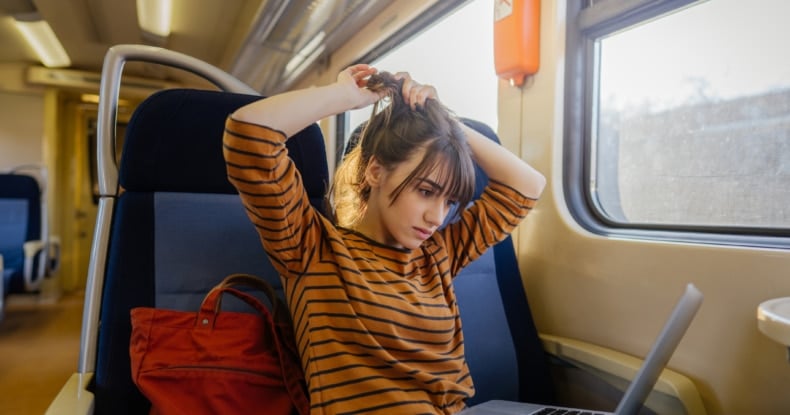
(456, 176)
(448, 161)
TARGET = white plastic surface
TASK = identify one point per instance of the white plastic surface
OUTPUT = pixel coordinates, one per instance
(74, 398)
(773, 319)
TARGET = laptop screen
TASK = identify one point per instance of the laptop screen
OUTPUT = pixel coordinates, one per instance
(662, 350)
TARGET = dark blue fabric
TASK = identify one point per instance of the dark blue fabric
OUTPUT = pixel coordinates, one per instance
(489, 354)
(534, 378)
(6, 280)
(179, 226)
(20, 221)
(13, 231)
(129, 283)
(21, 186)
(188, 237)
(533, 364)
(174, 144)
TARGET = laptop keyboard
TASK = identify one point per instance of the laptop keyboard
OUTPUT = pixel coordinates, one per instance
(564, 411)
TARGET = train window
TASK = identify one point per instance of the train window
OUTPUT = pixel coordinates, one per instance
(456, 56)
(686, 124)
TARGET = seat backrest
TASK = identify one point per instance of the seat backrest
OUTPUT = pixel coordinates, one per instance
(20, 222)
(503, 350)
(178, 226)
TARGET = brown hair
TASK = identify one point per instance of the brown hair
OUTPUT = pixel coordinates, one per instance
(392, 135)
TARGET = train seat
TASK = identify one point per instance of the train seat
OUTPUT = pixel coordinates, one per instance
(20, 223)
(179, 226)
(176, 225)
(25, 246)
(497, 321)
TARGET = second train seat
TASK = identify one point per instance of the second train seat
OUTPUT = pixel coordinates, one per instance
(20, 225)
(27, 251)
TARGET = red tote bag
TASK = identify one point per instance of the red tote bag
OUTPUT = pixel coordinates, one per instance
(219, 362)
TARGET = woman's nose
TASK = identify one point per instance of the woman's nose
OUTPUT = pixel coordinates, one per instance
(436, 213)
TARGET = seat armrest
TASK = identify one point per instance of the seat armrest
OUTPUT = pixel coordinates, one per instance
(618, 369)
(32, 248)
(34, 271)
(74, 397)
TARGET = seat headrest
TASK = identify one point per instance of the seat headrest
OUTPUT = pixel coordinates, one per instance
(173, 143)
(22, 186)
(19, 186)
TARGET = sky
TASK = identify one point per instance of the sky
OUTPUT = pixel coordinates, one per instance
(720, 48)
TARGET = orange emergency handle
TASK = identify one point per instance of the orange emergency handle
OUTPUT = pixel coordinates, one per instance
(516, 39)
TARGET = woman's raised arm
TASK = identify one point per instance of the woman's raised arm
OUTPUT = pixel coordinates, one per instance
(503, 166)
(292, 111)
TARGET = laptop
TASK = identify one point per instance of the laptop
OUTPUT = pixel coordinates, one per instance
(638, 389)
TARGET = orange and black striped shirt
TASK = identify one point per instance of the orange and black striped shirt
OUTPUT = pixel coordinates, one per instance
(377, 327)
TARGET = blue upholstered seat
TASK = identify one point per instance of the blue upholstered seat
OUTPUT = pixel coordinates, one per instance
(22, 242)
(503, 350)
(179, 227)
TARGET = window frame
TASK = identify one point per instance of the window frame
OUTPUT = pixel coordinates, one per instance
(587, 22)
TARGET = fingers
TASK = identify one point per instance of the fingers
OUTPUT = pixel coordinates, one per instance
(358, 96)
(419, 94)
(414, 93)
(359, 73)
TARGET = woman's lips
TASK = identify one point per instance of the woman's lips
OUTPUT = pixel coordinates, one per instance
(423, 233)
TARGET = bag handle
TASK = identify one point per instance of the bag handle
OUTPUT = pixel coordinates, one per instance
(280, 322)
(280, 310)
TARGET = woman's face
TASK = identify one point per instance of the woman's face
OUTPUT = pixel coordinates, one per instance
(414, 215)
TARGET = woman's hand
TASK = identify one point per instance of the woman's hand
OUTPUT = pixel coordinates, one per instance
(414, 93)
(355, 78)
(292, 111)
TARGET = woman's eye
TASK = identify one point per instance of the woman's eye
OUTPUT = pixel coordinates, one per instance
(426, 192)
(451, 203)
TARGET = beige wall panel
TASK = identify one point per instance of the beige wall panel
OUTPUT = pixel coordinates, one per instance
(618, 293)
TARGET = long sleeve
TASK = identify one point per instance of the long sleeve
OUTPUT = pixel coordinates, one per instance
(487, 221)
(271, 190)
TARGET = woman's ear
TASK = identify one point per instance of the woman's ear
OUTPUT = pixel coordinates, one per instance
(374, 172)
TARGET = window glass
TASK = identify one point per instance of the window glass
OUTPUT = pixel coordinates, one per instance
(456, 56)
(691, 124)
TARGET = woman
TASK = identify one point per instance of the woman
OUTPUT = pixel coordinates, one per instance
(370, 292)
